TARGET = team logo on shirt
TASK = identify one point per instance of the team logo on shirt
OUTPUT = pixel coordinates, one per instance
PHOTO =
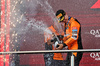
(74, 32)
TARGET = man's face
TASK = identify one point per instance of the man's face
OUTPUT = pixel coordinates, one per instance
(65, 20)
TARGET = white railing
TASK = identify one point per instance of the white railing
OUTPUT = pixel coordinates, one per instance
(52, 51)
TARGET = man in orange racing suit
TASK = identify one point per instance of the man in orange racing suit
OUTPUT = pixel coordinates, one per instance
(72, 36)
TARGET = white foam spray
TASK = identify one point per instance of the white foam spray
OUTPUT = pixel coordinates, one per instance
(24, 21)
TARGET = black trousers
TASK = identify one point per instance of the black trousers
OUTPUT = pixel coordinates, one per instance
(76, 59)
(50, 62)
(48, 58)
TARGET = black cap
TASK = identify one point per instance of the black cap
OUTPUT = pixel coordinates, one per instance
(60, 15)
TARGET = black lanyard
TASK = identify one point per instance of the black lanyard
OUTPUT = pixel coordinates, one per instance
(67, 25)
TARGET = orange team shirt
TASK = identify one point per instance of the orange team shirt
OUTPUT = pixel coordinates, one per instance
(72, 36)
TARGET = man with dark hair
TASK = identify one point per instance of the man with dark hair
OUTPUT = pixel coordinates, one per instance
(72, 36)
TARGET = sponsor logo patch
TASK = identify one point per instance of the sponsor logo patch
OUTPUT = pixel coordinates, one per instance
(74, 32)
(59, 15)
(74, 28)
(74, 37)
